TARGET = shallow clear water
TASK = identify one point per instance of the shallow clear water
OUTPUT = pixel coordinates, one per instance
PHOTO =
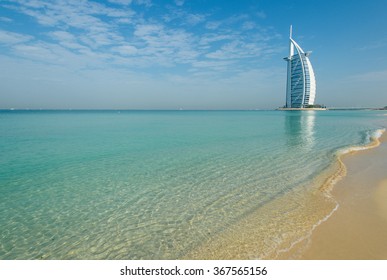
(154, 184)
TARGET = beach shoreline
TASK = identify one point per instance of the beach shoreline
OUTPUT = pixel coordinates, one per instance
(320, 205)
(358, 227)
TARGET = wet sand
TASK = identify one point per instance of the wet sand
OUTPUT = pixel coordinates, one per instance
(358, 229)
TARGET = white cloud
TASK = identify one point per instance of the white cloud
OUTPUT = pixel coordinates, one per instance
(121, 2)
(214, 37)
(125, 50)
(167, 46)
(212, 25)
(146, 3)
(179, 2)
(237, 50)
(76, 58)
(248, 25)
(63, 36)
(124, 20)
(183, 17)
(81, 14)
(40, 51)
(87, 34)
(7, 37)
(67, 40)
(230, 22)
(194, 19)
(32, 3)
(86, 17)
(5, 19)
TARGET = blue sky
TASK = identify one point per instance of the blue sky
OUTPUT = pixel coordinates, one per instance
(148, 54)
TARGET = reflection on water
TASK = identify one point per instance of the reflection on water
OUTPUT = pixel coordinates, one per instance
(299, 129)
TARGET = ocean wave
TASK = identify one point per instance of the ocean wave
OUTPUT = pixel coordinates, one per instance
(372, 142)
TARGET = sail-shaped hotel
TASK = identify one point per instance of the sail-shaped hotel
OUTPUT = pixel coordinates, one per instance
(301, 83)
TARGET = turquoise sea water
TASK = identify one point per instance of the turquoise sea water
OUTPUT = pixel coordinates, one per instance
(155, 184)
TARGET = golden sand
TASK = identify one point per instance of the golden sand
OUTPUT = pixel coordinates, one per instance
(358, 229)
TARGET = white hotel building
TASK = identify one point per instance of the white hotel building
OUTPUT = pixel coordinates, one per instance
(301, 83)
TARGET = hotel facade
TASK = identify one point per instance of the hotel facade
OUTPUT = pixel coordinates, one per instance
(301, 82)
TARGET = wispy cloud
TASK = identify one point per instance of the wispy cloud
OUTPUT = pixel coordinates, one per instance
(83, 16)
(183, 17)
(121, 2)
(248, 25)
(40, 51)
(213, 25)
(10, 38)
(210, 38)
(179, 2)
(125, 50)
(146, 3)
(226, 23)
(88, 34)
(236, 49)
(68, 40)
(166, 43)
(5, 19)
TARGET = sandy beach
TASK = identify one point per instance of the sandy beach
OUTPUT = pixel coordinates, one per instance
(358, 229)
(354, 211)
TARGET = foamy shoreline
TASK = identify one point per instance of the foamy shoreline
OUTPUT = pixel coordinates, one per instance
(354, 187)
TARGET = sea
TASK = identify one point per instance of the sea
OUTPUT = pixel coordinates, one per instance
(123, 184)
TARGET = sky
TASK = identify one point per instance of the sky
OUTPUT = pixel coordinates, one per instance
(198, 54)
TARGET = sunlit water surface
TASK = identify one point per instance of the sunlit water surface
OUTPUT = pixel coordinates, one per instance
(160, 184)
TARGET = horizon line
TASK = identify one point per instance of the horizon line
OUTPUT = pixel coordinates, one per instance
(180, 109)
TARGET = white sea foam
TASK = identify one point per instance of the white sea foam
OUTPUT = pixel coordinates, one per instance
(308, 235)
(379, 132)
(374, 141)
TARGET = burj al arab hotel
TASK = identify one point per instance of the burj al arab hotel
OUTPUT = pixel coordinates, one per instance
(301, 83)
